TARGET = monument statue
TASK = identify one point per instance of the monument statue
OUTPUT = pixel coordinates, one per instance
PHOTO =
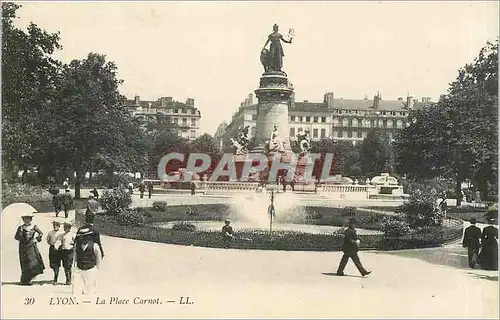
(275, 144)
(242, 141)
(272, 59)
(304, 142)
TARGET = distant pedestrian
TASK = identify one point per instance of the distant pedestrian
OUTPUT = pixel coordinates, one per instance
(150, 190)
(350, 248)
(30, 258)
(227, 233)
(66, 250)
(131, 188)
(193, 188)
(471, 241)
(54, 254)
(95, 193)
(488, 258)
(88, 260)
(292, 184)
(57, 202)
(67, 201)
(92, 206)
(66, 184)
(142, 188)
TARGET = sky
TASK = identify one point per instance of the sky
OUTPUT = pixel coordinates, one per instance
(210, 51)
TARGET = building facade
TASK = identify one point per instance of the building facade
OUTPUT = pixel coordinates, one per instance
(184, 115)
(335, 118)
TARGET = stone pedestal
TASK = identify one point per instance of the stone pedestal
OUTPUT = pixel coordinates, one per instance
(273, 96)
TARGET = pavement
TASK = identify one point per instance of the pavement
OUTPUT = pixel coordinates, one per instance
(223, 283)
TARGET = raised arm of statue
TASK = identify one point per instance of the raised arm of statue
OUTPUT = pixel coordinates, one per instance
(286, 41)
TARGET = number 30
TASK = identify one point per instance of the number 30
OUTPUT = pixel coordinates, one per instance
(29, 301)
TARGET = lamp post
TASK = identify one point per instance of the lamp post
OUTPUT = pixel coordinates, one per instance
(272, 212)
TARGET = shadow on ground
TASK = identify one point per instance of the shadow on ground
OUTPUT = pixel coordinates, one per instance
(483, 276)
(34, 283)
(334, 274)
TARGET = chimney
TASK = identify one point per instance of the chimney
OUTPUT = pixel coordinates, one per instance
(306, 101)
(190, 102)
(250, 99)
(292, 100)
(247, 102)
(409, 102)
(137, 100)
(376, 101)
(242, 105)
(328, 99)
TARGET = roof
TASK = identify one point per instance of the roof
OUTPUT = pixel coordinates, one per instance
(156, 104)
(310, 107)
(368, 104)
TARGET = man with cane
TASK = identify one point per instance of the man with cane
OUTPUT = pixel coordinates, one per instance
(350, 248)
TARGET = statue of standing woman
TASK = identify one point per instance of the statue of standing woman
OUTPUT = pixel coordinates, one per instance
(272, 59)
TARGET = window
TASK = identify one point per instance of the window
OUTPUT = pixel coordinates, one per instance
(340, 134)
(308, 119)
(384, 123)
(315, 133)
(184, 121)
(335, 122)
(315, 119)
(193, 134)
(344, 133)
(323, 119)
(384, 113)
(252, 131)
(299, 130)
(364, 134)
(183, 110)
(403, 114)
(334, 134)
(193, 122)
(254, 117)
(292, 118)
(389, 123)
(345, 122)
(323, 133)
(300, 119)
(336, 111)
(292, 132)
(359, 134)
(354, 122)
(176, 111)
(349, 134)
(193, 111)
(399, 124)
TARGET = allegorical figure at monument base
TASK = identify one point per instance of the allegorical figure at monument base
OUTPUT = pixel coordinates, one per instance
(272, 59)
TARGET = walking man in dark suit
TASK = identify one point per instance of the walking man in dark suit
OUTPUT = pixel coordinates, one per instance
(472, 236)
(350, 248)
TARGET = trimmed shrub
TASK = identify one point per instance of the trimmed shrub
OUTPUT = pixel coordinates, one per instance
(183, 226)
(395, 226)
(160, 205)
(190, 212)
(349, 211)
(130, 218)
(422, 210)
(115, 201)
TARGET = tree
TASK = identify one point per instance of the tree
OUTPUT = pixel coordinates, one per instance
(30, 78)
(457, 137)
(375, 154)
(93, 126)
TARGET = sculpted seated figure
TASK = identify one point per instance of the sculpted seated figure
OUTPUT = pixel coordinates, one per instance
(276, 143)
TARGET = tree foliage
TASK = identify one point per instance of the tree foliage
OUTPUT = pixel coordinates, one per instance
(375, 154)
(458, 137)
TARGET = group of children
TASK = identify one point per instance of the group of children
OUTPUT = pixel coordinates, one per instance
(61, 247)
